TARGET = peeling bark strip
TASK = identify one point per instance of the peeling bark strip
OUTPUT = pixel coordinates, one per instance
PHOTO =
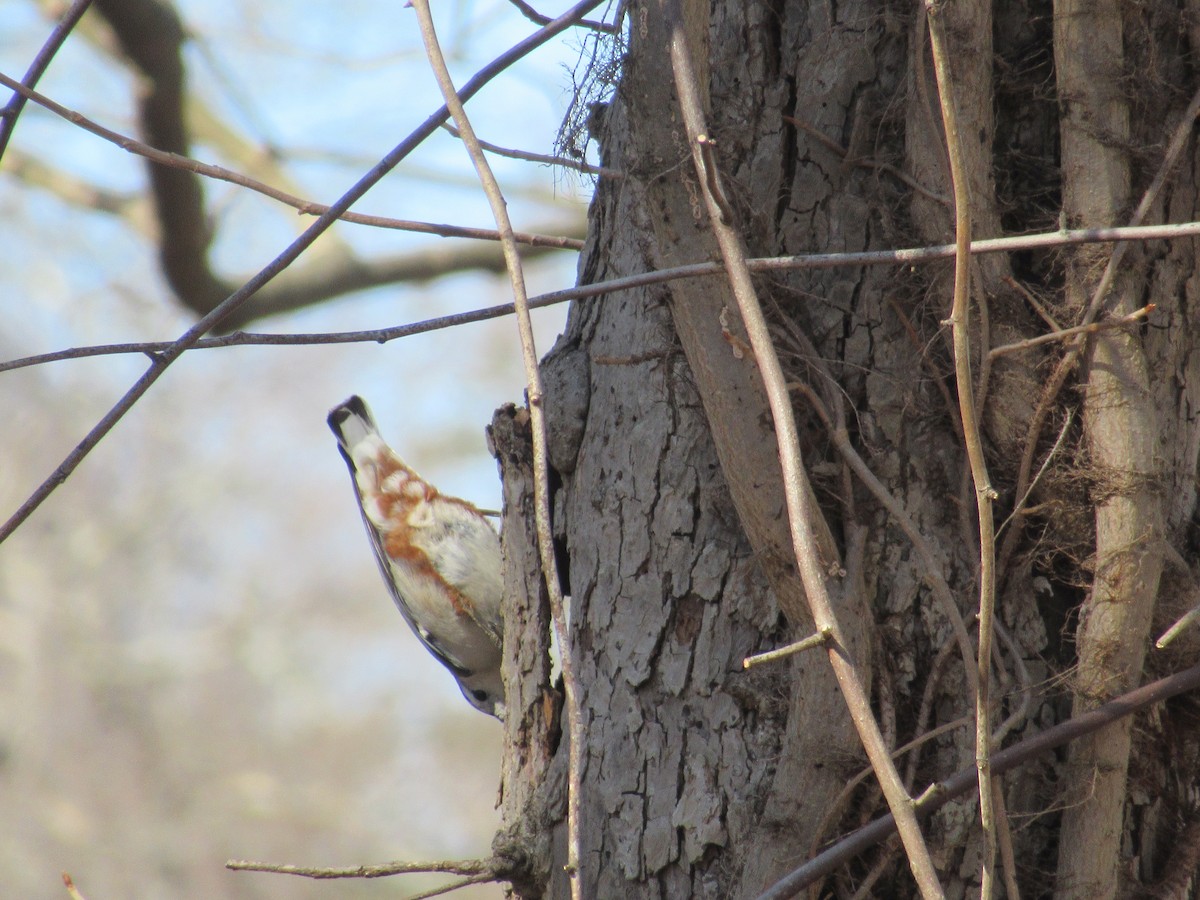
(532, 728)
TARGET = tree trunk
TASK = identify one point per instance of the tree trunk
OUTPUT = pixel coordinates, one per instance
(702, 779)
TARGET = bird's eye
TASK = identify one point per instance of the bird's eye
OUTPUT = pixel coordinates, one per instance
(479, 695)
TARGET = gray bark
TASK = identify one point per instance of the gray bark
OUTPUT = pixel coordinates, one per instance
(705, 780)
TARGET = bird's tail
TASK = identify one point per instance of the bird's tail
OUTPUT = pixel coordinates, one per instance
(351, 422)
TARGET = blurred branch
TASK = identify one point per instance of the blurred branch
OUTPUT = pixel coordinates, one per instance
(70, 188)
(324, 279)
(452, 886)
(305, 207)
(329, 275)
(151, 36)
(340, 273)
(492, 867)
(72, 891)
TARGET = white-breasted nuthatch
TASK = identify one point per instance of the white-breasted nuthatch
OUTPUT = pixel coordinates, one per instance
(439, 557)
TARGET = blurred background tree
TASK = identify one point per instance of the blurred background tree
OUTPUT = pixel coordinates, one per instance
(198, 660)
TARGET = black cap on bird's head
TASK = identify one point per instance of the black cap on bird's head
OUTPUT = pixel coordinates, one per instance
(352, 412)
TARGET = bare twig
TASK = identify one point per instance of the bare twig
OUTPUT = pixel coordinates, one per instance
(913, 747)
(1033, 301)
(833, 813)
(541, 472)
(984, 492)
(1178, 628)
(800, 516)
(925, 711)
(1021, 509)
(1022, 711)
(965, 780)
(235, 300)
(545, 158)
(812, 641)
(536, 17)
(600, 288)
(1008, 857)
(451, 887)
(1062, 335)
(878, 869)
(493, 869)
(305, 207)
(41, 62)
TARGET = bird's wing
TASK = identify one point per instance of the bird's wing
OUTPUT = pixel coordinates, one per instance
(465, 551)
(385, 568)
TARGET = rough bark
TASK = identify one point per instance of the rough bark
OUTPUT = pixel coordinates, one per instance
(703, 780)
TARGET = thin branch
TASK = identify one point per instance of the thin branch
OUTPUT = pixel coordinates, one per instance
(541, 469)
(536, 17)
(1133, 318)
(189, 338)
(12, 110)
(1020, 508)
(800, 515)
(833, 813)
(940, 793)
(451, 887)
(820, 639)
(1178, 628)
(72, 891)
(600, 288)
(877, 871)
(984, 492)
(493, 868)
(544, 158)
(1022, 711)
(1008, 858)
(1032, 301)
(305, 207)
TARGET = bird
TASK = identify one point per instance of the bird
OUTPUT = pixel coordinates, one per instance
(439, 556)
